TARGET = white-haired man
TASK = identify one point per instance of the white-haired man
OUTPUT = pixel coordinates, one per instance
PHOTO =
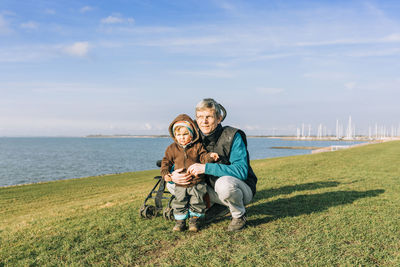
(232, 182)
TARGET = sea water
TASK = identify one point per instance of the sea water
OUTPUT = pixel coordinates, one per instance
(32, 160)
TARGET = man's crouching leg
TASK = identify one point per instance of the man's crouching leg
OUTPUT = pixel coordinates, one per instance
(235, 194)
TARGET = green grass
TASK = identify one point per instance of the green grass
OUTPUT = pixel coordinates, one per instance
(335, 208)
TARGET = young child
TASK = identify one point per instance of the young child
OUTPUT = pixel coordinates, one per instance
(185, 151)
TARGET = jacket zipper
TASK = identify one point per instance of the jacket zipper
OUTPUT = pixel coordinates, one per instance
(184, 158)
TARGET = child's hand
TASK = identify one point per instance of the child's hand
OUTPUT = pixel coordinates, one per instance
(214, 156)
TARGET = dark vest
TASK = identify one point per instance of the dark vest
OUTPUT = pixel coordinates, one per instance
(222, 145)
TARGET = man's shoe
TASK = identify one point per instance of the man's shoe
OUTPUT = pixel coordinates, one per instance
(194, 224)
(180, 225)
(216, 212)
(237, 224)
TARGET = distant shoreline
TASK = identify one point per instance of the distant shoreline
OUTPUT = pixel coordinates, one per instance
(286, 137)
(125, 136)
(166, 136)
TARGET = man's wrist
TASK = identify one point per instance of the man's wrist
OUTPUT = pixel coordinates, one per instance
(205, 167)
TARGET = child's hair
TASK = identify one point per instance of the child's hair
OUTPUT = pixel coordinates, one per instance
(183, 124)
(177, 128)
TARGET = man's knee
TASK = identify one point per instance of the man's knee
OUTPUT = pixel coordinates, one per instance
(226, 187)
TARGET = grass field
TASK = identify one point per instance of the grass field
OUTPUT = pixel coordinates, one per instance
(335, 208)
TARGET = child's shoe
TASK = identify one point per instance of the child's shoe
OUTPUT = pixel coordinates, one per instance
(194, 224)
(180, 225)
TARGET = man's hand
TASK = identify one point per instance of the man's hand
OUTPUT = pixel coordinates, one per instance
(181, 178)
(197, 169)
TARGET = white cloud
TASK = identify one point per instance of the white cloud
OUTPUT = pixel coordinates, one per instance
(375, 52)
(226, 6)
(350, 85)
(395, 37)
(50, 11)
(209, 73)
(199, 41)
(79, 49)
(72, 125)
(117, 19)
(269, 90)
(327, 76)
(152, 30)
(7, 13)
(232, 9)
(224, 64)
(42, 87)
(25, 53)
(86, 9)
(30, 25)
(271, 56)
(151, 126)
(42, 52)
(4, 27)
(335, 42)
(374, 10)
(111, 20)
(251, 127)
(208, 43)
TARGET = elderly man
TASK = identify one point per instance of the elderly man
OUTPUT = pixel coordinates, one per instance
(232, 182)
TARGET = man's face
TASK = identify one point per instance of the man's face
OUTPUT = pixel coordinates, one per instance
(207, 121)
(183, 136)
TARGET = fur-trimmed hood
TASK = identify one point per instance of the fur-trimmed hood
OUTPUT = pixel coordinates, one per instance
(184, 117)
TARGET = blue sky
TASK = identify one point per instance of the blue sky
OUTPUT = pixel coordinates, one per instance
(72, 68)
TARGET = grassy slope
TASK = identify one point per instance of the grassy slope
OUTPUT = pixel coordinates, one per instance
(338, 208)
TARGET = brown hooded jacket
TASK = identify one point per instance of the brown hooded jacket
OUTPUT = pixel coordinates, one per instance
(184, 157)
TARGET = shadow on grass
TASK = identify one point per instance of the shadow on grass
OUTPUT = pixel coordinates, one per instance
(306, 204)
(286, 190)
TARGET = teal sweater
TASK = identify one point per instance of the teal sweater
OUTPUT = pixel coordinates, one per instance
(239, 164)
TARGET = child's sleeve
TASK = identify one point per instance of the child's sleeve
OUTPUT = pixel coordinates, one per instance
(166, 163)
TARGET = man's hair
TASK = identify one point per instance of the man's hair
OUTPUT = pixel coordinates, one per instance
(209, 103)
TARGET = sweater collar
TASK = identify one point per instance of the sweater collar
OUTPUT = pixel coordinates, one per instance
(212, 138)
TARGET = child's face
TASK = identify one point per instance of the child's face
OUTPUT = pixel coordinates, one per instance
(183, 137)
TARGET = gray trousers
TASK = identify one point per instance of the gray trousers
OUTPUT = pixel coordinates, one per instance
(189, 201)
(228, 191)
